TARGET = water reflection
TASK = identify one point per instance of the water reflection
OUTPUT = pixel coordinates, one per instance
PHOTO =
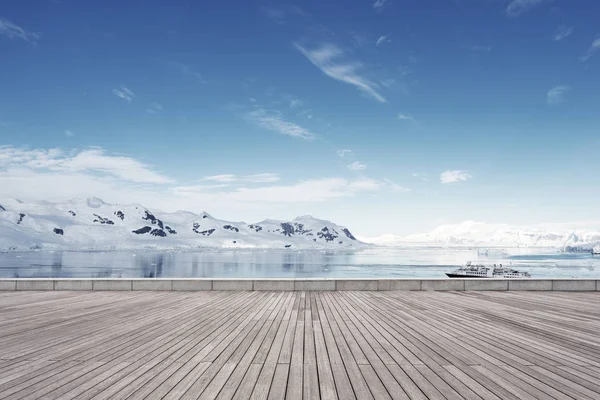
(408, 262)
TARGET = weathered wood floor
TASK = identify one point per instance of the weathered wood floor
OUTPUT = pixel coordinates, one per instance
(274, 345)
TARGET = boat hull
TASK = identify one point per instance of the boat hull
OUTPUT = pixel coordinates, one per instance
(466, 276)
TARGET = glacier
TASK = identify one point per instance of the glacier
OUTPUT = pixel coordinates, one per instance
(92, 224)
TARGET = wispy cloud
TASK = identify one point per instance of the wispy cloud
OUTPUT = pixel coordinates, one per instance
(221, 178)
(562, 32)
(294, 101)
(357, 166)
(592, 50)
(518, 7)
(124, 93)
(420, 176)
(255, 178)
(378, 4)
(94, 160)
(382, 39)
(13, 31)
(154, 108)
(557, 94)
(344, 152)
(315, 190)
(283, 14)
(452, 176)
(327, 59)
(189, 71)
(274, 121)
(69, 133)
(394, 186)
(274, 14)
(406, 117)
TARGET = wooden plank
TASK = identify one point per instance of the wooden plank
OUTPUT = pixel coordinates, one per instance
(311, 345)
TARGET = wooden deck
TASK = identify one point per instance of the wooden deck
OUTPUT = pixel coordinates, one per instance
(275, 345)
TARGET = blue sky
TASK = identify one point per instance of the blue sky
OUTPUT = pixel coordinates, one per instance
(387, 116)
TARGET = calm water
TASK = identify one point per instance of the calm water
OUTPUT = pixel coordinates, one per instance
(400, 263)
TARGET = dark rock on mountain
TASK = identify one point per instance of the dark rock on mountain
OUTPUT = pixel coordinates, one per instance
(102, 220)
(347, 233)
(73, 213)
(205, 216)
(288, 229)
(231, 228)
(205, 233)
(120, 214)
(340, 242)
(143, 230)
(153, 219)
(288, 245)
(2, 208)
(170, 230)
(299, 228)
(58, 231)
(158, 232)
(235, 241)
(21, 216)
(195, 227)
(328, 236)
(256, 228)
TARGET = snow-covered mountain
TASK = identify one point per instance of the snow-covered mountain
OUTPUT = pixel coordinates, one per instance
(93, 224)
(470, 233)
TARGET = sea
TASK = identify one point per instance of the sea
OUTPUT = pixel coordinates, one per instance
(408, 262)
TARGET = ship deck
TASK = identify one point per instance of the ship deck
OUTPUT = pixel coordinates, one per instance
(275, 345)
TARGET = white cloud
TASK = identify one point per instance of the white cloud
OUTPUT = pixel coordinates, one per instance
(394, 186)
(69, 133)
(294, 102)
(12, 31)
(327, 59)
(59, 175)
(255, 178)
(262, 178)
(406, 117)
(273, 121)
(344, 152)
(357, 166)
(124, 93)
(154, 108)
(92, 160)
(562, 32)
(221, 178)
(557, 94)
(452, 176)
(592, 50)
(378, 4)
(518, 7)
(382, 39)
(420, 176)
(316, 190)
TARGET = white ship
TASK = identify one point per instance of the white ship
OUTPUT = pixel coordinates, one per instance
(482, 271)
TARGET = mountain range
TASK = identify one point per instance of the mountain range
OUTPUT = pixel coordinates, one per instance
(470, 233)
(92, 224)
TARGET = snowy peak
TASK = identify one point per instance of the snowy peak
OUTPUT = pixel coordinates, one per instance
(93, 224)
(471, 233)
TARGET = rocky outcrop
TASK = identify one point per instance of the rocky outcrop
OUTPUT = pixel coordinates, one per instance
(102, 220)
